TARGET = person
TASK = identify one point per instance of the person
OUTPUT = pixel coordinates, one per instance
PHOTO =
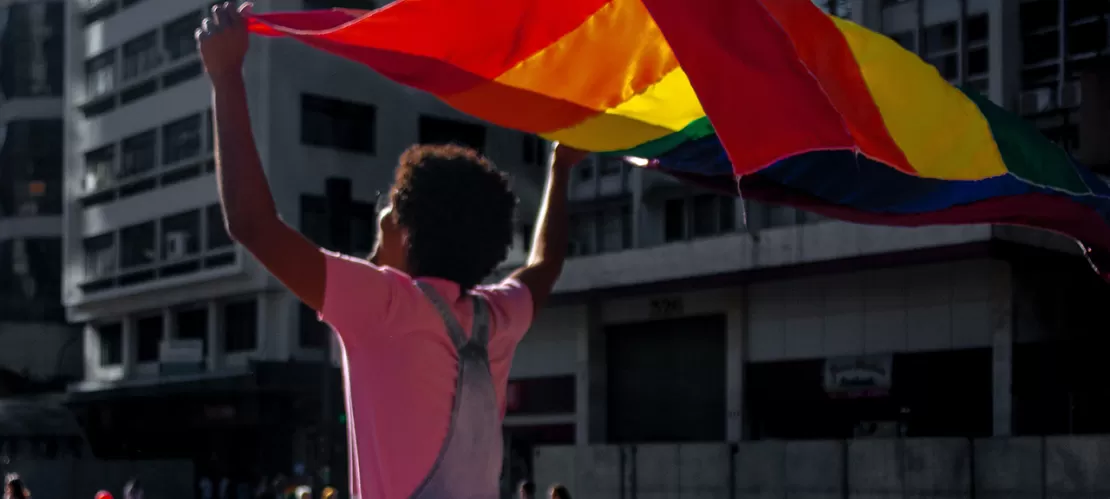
(558, 491)
(426, 347)
(527, 490)
(14, 488)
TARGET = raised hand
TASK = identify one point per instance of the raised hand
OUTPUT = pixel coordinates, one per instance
(223, 41)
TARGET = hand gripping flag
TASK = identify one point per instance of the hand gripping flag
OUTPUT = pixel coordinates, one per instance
(795, 106)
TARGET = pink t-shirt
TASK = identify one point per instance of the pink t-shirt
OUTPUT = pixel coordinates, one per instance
(400, 367)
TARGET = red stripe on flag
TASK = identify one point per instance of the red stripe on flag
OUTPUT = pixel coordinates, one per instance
(823, 49)
(763, 102)
(426, 44)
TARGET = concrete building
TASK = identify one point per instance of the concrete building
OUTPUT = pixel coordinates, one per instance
(701, 328)
(178, 321)
(681, 316)
(37, 348)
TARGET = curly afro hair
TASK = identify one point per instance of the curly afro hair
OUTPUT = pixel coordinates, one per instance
(458, 211)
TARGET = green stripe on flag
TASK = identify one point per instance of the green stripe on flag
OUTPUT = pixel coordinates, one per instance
(1027, 153)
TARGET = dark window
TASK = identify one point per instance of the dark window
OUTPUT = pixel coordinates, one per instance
(941, 37)
(713, 214)
(32, 45)
(240, 326)
(111, 344)
(149, 331)
(313, 332)
(100, 257)
(444, 131)
(137, 154)
(948, 65)
(178, 38)
(137, 243)
(217, 230)
(338, 124)
(181, 140)
(978, 29)
(141, 55)
(192, 324)
(31, 280)
(534, 149)
(31, 168)
(978, 62)
(674, 220)
(180, 236)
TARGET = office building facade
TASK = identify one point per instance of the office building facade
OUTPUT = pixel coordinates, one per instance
(36, 346)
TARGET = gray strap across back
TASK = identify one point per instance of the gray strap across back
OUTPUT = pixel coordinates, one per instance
(469, 463)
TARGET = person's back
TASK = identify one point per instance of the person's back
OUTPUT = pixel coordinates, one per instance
(426, 349)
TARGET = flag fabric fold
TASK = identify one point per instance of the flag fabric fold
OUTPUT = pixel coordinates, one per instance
(795, 106)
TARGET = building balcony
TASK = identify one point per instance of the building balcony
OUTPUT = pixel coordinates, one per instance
(778, 247)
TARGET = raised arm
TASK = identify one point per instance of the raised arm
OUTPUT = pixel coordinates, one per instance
(248, 206)
(550, 242)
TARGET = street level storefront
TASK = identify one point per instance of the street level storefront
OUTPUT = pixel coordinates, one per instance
(264, 422)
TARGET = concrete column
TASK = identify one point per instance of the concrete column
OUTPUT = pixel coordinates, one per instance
(736, 360)
(130, 346)
(592, 418)
(214, 338)
(1002, 346)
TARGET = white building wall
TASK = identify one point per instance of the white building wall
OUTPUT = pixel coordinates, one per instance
(913, 309)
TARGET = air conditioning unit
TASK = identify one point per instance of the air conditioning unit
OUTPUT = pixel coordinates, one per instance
(175, 244)
(1037, 101)
(1071, 95)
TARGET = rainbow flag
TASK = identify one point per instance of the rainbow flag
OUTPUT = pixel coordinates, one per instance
(771, 98)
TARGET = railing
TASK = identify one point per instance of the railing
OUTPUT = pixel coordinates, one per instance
(1027, 467)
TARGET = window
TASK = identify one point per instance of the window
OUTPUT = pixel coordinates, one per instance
(601, 230)
(977, 33)
(137, 154)
(700, 216)
(181, 140)
(138, 245)
(674, 220)
(240, 326)
(100, 75)
(942, 49)
(312, 332)
(32, 48)
(192, 324)
(444, 131)
(178, 40)
(141, 56)
(217, 229)
(30, 280)
(149, 330)
(534, 149)
(100, 257)
(608, 165)
(616, 229)
(180, 236)
(100, 168)
(31, 168)
(111, 343)
(583, 234)
(337, 124)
